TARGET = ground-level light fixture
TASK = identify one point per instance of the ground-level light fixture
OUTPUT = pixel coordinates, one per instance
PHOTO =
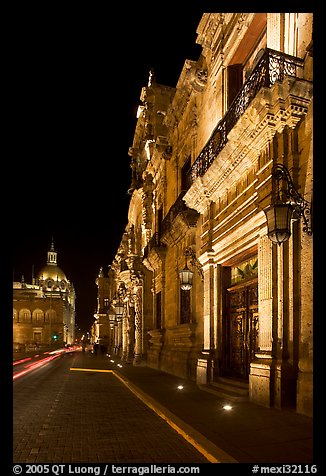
(287, 203)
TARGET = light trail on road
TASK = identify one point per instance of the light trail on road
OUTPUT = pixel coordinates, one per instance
(40, 362)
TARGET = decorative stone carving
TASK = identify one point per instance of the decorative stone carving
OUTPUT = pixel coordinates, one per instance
(199, 79)
(197, 197)
(147, 198)
(269, 113)
(138, 306)
(163, 146)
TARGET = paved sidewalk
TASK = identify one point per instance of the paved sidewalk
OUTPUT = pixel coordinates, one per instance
(248, 433)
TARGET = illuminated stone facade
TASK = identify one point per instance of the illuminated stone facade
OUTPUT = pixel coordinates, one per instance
(201, 164)
(102, 332)
(44, 311)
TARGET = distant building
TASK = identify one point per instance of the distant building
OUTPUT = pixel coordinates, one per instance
(44, 311)
(102, 331)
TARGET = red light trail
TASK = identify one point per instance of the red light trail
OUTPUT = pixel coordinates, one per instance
(39, 363)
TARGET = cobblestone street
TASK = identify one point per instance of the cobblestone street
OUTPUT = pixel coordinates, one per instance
(61, 416)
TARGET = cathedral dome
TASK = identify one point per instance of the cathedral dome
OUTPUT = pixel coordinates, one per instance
(52, 272)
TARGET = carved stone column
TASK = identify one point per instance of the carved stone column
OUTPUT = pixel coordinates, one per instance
(147, 199)
(119, 338)
(116, 339)
(125, 337)
(131, 333)
(138, 299)
(265, 295)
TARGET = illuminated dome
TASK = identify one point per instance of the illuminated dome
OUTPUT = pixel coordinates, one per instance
(51, 274)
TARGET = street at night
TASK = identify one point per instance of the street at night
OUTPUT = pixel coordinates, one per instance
(63, 416)
(84, 408)
(162, 276)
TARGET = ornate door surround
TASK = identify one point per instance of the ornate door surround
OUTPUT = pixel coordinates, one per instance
(241, 333)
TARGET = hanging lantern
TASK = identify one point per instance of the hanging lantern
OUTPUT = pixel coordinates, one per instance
(119, 308)
(285, 201)
(112, 318)
(186, 278)
(279, 222)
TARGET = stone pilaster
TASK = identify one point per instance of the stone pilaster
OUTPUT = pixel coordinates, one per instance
(138, 299)
(125, 337)
(275, 31)
(305, 371)
(260, 369)
(204, 362)
(285, 368)
(119, 338)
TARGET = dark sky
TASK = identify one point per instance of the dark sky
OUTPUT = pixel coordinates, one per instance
(78, 88)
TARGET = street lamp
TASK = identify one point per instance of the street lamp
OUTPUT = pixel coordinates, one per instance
(112, 317)
(119, 308)
(186, 275)
(286, 201)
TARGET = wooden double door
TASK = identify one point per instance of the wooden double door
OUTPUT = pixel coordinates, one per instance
(241, 329)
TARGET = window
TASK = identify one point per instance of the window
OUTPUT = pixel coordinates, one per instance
(159, 220)
(234, 82)
(24, 315)
(38, 316)
(158, 310)
(184, 306)
(185, 174)
(50, 316)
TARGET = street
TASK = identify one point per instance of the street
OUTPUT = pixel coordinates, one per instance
(87, 415)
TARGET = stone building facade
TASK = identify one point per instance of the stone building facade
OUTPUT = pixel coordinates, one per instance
(44, 310)
(102, 330)
(202, 163)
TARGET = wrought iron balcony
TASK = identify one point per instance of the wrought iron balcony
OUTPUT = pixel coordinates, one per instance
(272, 67)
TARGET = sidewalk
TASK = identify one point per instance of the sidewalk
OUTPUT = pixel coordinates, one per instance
(248, 433)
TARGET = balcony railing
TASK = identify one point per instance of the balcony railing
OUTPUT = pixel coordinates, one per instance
(271, 68)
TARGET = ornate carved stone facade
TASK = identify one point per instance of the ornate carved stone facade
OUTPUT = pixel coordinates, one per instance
(201, 163)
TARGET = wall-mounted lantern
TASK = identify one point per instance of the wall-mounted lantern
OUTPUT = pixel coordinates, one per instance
(112, 317)
(186, 275)
(287, 203)
(119, 308)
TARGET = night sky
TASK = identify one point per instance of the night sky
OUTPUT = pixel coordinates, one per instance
(79, 86)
